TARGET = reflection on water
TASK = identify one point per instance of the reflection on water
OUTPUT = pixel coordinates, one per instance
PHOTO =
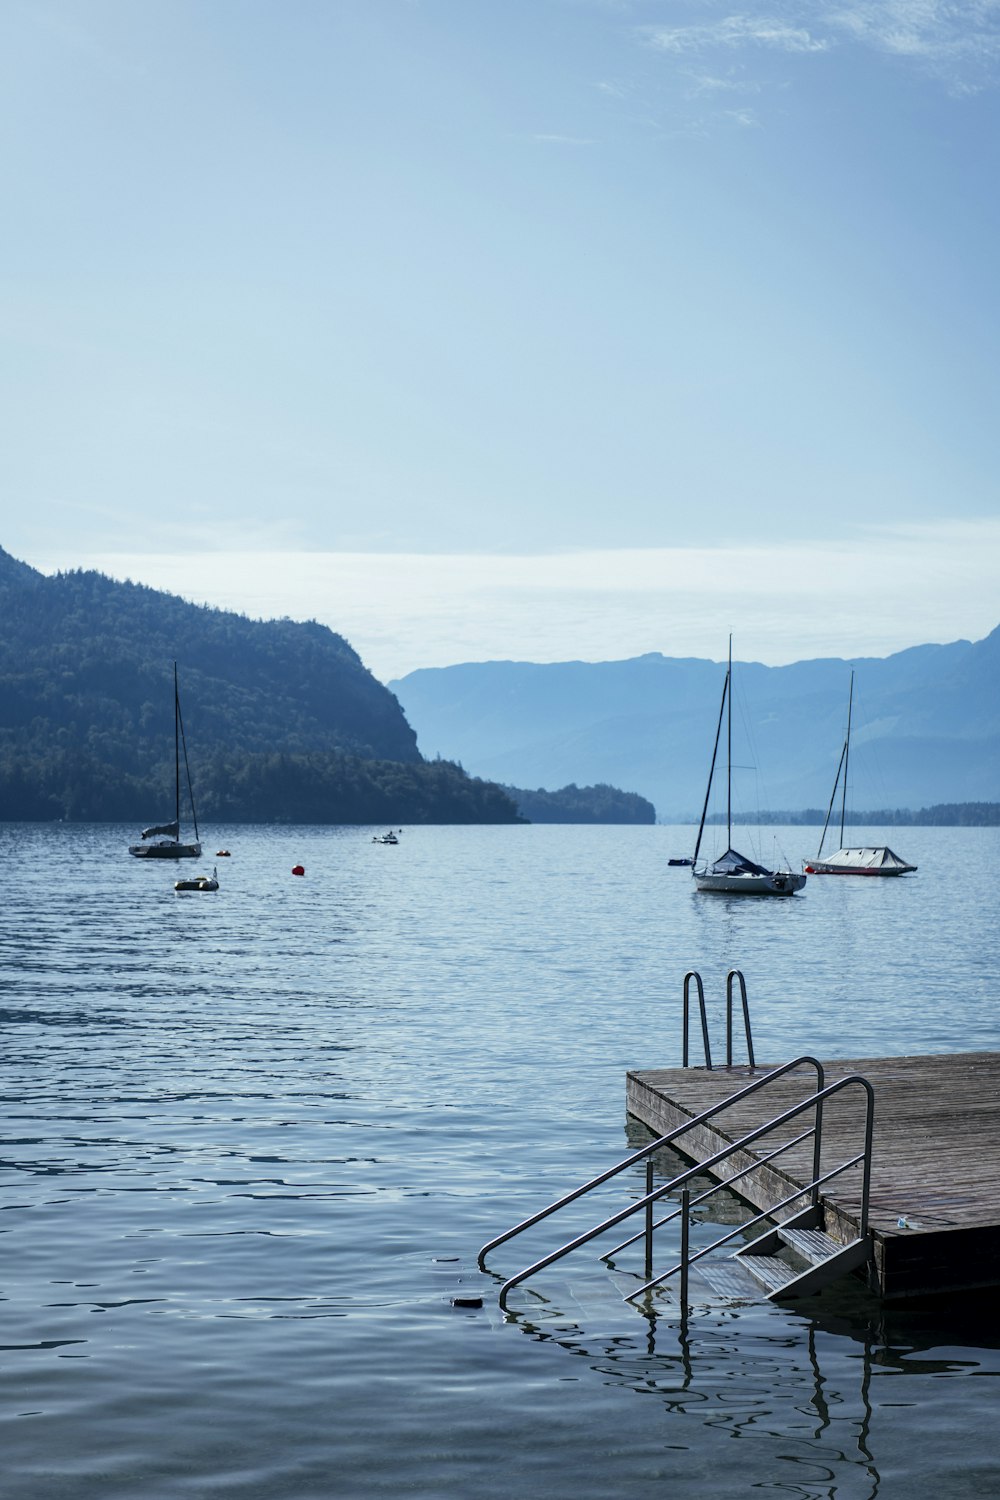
(805, 1386)
(252, 1145)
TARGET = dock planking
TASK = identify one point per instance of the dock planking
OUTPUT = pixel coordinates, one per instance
(935, 1157)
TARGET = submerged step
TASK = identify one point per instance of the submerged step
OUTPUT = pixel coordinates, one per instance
(831, 1262)
(772, 1273)
(727, 1279)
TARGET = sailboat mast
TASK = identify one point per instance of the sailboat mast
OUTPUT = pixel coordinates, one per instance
(711, 769)
(729, 753)
(836, 783)
(847, 756)
(177, 757)
(187, 764)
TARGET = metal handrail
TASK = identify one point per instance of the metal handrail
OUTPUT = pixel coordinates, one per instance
(737, 974)
(760, 1161)
(814, 1101)
(692, 974)
(687, 1260)
(864, 1157)
(645, 1151)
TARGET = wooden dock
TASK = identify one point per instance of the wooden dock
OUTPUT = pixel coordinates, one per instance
(935, 1159)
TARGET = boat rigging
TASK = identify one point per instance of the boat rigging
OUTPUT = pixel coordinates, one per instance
(167, 842)
(733, 874)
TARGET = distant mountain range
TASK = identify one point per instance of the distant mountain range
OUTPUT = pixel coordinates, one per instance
(926, 726)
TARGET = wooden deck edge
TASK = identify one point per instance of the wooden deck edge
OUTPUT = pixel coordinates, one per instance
(905, 1266)
(761, 1187)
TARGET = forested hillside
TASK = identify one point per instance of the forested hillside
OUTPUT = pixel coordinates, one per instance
(283, 720)
(581, 804)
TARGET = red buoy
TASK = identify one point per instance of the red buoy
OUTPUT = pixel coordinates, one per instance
(298, 869)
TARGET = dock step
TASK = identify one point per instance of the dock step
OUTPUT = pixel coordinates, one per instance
(814, 1245)
(771, 1273)
(825, 1260)
(716, 1282)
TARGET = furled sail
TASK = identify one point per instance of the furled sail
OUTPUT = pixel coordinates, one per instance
(733, 863)
(171, 830)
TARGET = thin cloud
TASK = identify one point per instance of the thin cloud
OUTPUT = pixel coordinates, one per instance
(615, 89)
(563, 140)
(958, 43)
(709, 83)
(736, 31)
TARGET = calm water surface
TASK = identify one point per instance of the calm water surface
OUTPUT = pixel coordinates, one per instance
(253, 1141)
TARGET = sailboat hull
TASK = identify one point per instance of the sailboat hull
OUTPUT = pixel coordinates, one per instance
(733, 883)
(870, 860)
(879, 861)
(165, 850)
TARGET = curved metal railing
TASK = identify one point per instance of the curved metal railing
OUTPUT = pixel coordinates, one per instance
(814, 1101)
(685, 1025)
(737, 974)
(644, 1152)
(733, 975)
(862, 1157)
(760, 1161)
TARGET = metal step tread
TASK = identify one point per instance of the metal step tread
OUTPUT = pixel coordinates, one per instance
(812, 1244)
(729, 1279)
(771, 1272)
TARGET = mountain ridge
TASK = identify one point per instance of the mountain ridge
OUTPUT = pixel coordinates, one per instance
(929, 723)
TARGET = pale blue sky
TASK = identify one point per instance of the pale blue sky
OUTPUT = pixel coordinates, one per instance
(531, 277)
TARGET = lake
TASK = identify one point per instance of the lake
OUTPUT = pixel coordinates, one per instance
(253, 1141)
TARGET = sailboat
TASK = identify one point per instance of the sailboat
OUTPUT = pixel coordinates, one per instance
(871, 860)
(166, 837)
(733, 874)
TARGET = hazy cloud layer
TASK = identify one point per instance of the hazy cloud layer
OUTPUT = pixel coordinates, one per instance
(880, 591)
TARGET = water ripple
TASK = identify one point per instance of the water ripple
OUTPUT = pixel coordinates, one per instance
(290, 1116)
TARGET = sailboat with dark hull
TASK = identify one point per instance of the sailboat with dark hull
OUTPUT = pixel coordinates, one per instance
(859, 860)
(733, 874)
(165, 838)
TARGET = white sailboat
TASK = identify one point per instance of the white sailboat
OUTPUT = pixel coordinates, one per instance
(166, 837)
(861, 860)
(733, 874)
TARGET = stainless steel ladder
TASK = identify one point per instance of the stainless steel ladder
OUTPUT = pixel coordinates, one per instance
(733, 975)
(801, 1233)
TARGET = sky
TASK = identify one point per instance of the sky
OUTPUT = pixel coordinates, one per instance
(545, 329)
